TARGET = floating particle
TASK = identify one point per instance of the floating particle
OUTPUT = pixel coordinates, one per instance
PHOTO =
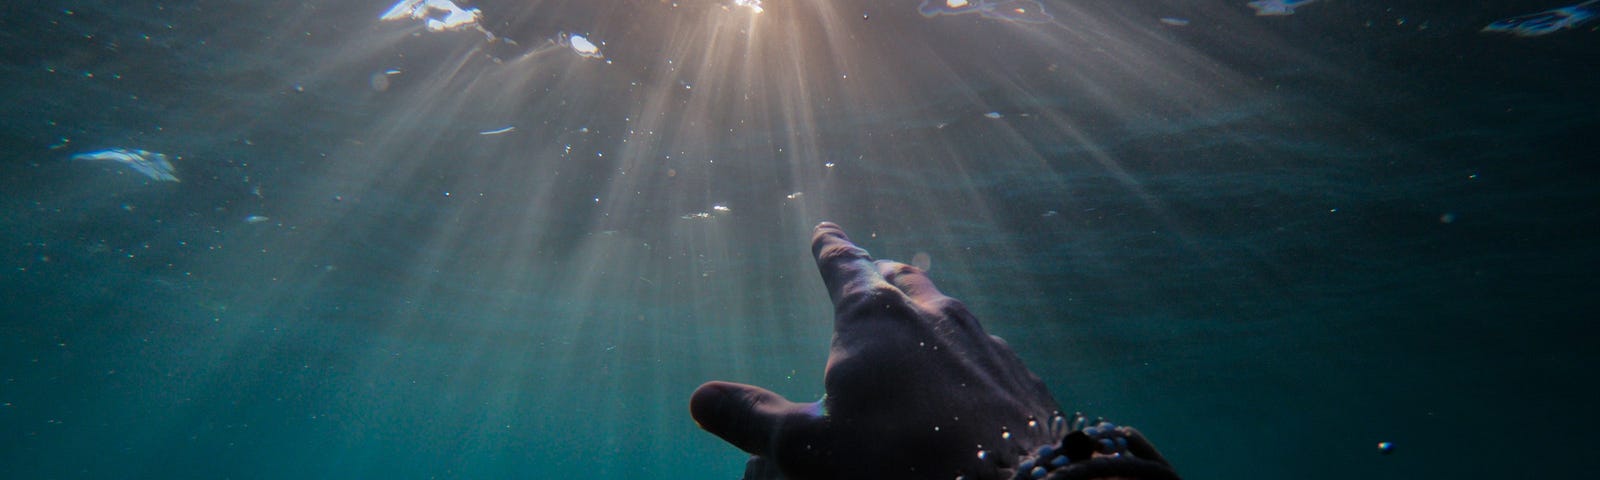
(583, 47)
(1175, 21)
(993, 115)
(1385, 447)
(151, 164)
(254, 219)
(379, 82)
(506, 129)
(721, 209)
(922, 261)
(796, 195)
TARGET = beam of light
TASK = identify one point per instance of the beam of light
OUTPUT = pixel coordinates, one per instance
(623, 211)
(644, 181)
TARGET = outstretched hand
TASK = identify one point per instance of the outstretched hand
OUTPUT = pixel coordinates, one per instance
(914, 389)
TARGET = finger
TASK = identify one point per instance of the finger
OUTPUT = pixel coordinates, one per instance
(913, 281)
(1140, 446)
(747, 416)
(845, 267)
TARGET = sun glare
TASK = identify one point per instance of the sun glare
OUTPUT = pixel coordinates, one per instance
(665, 139)
(641, 178)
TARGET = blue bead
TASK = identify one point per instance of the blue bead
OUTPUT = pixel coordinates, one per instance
(1045, 451)
(1106, 446)
(1060, 461)
(1038, 472)
(1026, 465)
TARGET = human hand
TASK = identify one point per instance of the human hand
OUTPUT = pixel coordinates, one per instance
(914, 389)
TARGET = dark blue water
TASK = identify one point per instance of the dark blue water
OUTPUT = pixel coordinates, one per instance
(1268, 242)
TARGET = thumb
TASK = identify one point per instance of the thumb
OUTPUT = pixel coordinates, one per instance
(747, 416)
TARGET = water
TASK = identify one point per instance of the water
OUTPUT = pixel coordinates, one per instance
(1269, 242)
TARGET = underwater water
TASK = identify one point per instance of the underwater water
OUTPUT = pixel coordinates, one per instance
(511, 243)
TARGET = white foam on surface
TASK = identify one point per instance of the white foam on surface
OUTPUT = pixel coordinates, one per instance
(1274, 8)
(437, 15)
(151, 164)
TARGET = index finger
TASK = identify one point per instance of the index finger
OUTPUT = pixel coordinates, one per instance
(845, 267)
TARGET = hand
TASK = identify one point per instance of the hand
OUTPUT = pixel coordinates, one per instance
(914, 389)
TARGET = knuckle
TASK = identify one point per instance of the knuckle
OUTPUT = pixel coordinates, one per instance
(873, 297)
(840, 252)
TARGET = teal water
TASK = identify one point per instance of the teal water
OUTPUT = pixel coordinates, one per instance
(1268, 242)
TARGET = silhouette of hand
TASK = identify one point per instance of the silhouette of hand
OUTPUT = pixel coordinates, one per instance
(914, 389)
